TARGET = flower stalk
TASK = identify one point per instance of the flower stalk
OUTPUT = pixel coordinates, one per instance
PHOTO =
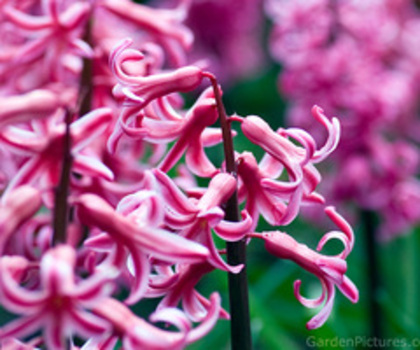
(236, 251)
(61, 210)
(86, 89)
(370, 228)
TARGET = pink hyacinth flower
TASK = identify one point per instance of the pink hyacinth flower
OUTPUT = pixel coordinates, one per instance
(44, 145)
(202, 115)
(298, 161)
(139, 238)
(60, 306)
(196, 221)
(56, 33)
(329, 269)
(136, 333)
(180, 286)
(137, 91)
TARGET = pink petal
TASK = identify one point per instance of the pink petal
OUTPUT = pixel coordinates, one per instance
(319, 319)
(26, 21)
(89, 127)
(210, 320)
(173, 195)
(27, 174)
(141, 276)
(349, 290)
(101, 242)
(198, 162)
(22, 326)
(54, 332)
(17, 299)
(39, 103)
(234, 231)
(172, 316)
(93, 210)
(92, 166)
(87, 324)
(342, 224)
(311, 303)
(333, 129)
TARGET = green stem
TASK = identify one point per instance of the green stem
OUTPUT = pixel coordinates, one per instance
(236, 251)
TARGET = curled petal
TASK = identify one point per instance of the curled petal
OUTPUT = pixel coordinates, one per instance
(321, 317)
(26, 21)
(342, 224)
(193, 306)
(234, 231)
(215, 259)
(311, 303)
(209, 321)
(119, 56)
(143, 207)
(212, 216)
(15, 298)
(305, 139)
(333, 128)
(86, 324)
(162, 244)
(172, 316)
(335, 235)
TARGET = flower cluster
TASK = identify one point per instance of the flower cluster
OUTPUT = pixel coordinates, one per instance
(100, 207)
(359, 60)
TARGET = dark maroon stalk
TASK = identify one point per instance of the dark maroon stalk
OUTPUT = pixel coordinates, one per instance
(86, 88)
(61, 207)
(61, 210)
(236, 251)
(374, 284)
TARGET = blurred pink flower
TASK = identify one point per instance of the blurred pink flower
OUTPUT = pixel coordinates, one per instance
(359, 60)
(227, 37)
(44, 145)
(60, 307)
(22, 203)
(59, 28)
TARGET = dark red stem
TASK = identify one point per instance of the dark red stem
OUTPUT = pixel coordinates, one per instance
(61, 210)
(236, 251)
